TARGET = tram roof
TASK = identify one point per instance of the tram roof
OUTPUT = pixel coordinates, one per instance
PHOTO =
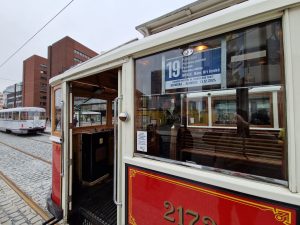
(195, 29)
(18, 109)
(184, 14)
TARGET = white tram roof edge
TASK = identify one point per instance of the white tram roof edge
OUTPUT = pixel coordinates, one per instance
(22, 109)
(217, 19)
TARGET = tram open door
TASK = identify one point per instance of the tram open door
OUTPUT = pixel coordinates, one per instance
(87, 172)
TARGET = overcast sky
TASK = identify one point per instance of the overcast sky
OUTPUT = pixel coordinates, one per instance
(98, 24)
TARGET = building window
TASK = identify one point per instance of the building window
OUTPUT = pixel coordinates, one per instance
(76, 61)
(219, 103)
(81, 54)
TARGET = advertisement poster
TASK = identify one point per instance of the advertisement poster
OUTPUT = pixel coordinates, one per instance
(141, 141)
(194, 69)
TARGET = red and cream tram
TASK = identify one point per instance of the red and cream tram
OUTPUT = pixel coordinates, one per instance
(198, 123)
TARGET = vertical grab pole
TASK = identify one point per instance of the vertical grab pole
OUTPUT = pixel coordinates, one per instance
(116, 156)
(62, 137)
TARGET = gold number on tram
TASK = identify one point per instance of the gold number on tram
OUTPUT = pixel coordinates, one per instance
(208, 221)
(195, 216)
(180, 215)
(169, 206)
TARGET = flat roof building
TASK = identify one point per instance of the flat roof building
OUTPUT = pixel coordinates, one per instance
(13, 95)
(64, 54)
(35, 82)
(1, 100)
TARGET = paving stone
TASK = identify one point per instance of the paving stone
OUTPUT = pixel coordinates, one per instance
(20, 222)
(15, 211)
(8, 223)
(4, 219)
(30, 216)
(31, 175)
(35, 219)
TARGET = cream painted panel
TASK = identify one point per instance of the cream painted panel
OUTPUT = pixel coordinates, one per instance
(294, 18)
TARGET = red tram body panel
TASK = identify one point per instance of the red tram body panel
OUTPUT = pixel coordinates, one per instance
(156, 198)
(56, 173)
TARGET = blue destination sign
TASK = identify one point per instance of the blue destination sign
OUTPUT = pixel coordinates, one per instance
(195, 69)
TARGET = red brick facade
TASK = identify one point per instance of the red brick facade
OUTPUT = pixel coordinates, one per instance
(64, 54)
(35, 81)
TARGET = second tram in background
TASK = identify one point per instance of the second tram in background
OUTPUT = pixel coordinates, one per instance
(23, 120)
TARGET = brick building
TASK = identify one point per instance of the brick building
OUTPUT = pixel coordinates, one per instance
(35, 81)
(63, 55)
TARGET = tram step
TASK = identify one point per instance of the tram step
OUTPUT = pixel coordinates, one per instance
(97, 206)
(104, 214)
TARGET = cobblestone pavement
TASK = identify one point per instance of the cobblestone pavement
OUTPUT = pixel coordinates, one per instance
(13, 210)
(32, 176)
(38, 145)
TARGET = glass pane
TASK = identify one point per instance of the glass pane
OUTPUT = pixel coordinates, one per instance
(15, 115)
(57, 113)
(24, 115)
(224, 110)
(198, 112)
(218, 102)
(89, 112)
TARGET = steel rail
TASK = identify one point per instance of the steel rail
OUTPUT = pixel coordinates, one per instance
(26, 153)
(37, 140)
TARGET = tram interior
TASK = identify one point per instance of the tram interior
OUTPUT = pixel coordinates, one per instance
(93, 147)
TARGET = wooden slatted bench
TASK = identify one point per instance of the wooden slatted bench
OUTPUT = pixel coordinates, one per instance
(257, 148)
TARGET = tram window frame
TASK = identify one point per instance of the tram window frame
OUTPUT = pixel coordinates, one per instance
(250, 65)
(55, 104)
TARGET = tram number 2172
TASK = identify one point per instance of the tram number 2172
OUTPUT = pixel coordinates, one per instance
(194, 216)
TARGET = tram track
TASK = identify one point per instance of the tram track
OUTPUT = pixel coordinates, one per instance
(46, 142)
(26, 153)
(28, 200)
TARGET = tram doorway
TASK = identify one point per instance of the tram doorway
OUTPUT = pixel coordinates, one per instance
(94, 126)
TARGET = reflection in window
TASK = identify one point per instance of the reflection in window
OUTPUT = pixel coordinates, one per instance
(219, 103)
(15, 115)
(89, 112)
(57, 113)
(260, 110)
(224, 111)
(198, 112)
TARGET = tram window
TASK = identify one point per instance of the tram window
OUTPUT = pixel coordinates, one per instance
(15, 115)
(261, 113)
(57, 112)
(24, 116)
(198, 112)
(89, 112)
(224, 111)
(9, 116)
(42, 115)
(192, 108)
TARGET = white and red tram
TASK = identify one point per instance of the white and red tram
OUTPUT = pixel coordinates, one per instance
(200, 124)
(23, 120)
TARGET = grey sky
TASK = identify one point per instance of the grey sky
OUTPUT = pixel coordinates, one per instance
(100, 25)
